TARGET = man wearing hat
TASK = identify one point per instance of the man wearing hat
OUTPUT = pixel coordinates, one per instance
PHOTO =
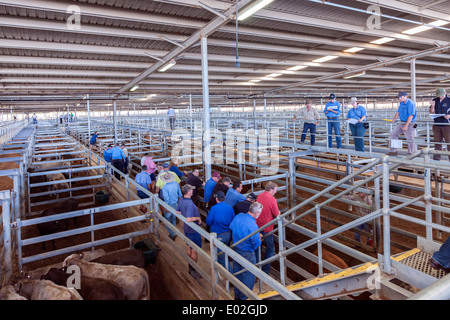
(223, 186)
(358, 114)
(311, 118)
(107, 154)
(209, 186)
(407, 113)
(159, 182)
(188, 209)
(144, 180)
(219, 219)
(332, 112)
(441, 127)
(171, 192)
(194, 180)
(243, 206)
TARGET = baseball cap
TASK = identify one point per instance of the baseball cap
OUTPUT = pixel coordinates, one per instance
(402, 94)
(220, 195)
(216, 175)
(353, 99)
(166, 165)
(185, 189)
(440, 92)
(251, 196)
(332, 96)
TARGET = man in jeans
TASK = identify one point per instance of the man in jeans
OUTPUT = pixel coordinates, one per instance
(269, 212)
(441, 127)
(311, 118)
(407, 113)
(243, 225)
(219, 219)
(332, 112)
(171, 193)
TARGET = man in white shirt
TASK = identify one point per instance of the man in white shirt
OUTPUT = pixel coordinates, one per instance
(172, 116)
(311, 118)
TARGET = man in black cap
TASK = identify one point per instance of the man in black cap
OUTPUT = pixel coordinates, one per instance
(243, 206)
(332, 112)
(441, 127)
(219, 219)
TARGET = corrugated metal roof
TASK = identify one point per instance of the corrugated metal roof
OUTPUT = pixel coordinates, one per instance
(284, 34)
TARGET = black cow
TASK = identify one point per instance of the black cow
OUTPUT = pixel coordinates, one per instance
(57, 225)
(90, 288)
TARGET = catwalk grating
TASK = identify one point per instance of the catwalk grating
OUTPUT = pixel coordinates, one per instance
(419, 261)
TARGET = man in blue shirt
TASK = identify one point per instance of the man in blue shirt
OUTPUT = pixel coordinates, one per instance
(407, 114)
(219, 220)
(171, 193)
(118, 158)
(358, 115)
(93, 141)
(188, 209)
(143, 179)
(107, 154)
(441, 126)
(332, 112)
(243, 225)
(209, 187)
(234, 195)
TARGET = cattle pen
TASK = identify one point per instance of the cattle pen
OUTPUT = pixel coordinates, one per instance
(313, 221)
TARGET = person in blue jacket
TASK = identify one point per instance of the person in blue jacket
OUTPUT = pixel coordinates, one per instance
(358, 114)
(93, 141)
(118, 158)
(243, 225)
(219, 220)
(332, 112)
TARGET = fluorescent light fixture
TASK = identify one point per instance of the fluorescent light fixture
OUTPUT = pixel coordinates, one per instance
(437, 23)
(296, 68)
(312, 64)
(382, 40)
(273, 75)
(168, 66)
(324, 59)
(353, 50)
(134, 88)
(256, 80)
(445, 80)
(355, 75)
(256, 6)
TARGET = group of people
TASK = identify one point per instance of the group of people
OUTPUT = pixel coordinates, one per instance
(357, 119)
(117, 155)
(230, 214)
(357, 116)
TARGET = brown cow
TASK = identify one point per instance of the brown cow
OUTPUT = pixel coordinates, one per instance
(331, 258)
(90, 288)
(129, 257)
(133, 281)
(36, 274)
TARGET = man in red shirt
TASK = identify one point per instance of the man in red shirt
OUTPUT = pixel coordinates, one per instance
(269, 212)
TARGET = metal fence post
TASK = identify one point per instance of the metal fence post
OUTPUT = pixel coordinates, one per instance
(386, 216)
(5, 197)
(214, 272)
(281, 250)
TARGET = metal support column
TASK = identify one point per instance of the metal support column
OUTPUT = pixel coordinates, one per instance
(115, 121)
(413, 80)
(206, 115)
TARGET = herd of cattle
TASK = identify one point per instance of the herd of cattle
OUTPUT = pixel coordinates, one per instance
(118, 275)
